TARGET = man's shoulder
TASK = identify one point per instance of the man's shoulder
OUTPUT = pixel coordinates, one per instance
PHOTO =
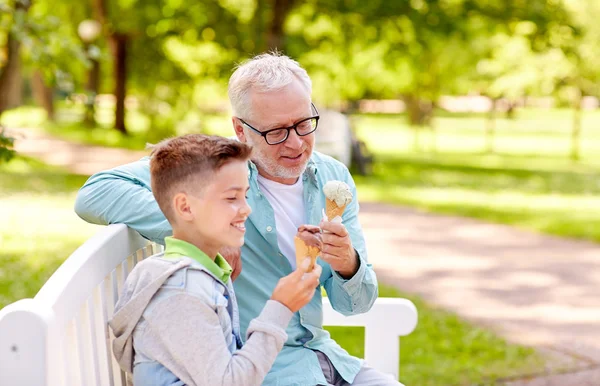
(329, 168)
(329, 163)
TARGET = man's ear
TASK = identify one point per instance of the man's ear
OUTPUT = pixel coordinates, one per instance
(238, 127)
(181, 207)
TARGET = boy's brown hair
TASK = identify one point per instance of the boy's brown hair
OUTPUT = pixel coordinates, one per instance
(177, 163)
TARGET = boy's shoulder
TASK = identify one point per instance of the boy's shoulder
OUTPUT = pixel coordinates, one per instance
(194, 278)
(190, 275)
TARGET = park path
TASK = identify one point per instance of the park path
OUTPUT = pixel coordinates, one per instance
(77, 158)
(530, 288)
(533, 289)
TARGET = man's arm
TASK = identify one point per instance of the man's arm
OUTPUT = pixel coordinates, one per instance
(123, 196)
(357, 294)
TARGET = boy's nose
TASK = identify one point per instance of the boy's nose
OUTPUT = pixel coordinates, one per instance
(246, 209)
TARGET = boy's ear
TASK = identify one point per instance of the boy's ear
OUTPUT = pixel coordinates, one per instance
(181, 207)
(239, 129)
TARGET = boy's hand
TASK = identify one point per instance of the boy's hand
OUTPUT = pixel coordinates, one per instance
(234, 258)
(298, 288)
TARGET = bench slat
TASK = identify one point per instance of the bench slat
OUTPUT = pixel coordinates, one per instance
(75, 345)
(117, 283)
(104, 294)
(95, 326)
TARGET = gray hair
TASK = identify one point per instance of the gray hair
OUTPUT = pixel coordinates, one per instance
(263, 73)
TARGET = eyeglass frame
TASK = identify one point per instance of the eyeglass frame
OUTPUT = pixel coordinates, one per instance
(289, 128)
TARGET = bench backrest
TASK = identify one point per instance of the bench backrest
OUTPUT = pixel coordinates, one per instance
(61, 336)
(71, 342)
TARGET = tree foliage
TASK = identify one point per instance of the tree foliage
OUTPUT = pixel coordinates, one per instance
(180, 54)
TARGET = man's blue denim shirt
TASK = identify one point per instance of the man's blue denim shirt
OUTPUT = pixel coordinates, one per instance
(123, 195)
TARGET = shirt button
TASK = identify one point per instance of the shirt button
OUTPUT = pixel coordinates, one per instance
(269, 229)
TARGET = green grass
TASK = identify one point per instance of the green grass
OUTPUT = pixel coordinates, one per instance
(140, 131)
(68, 126)
(534, 134)
(445, 350)
(39, 230)
(530, 184)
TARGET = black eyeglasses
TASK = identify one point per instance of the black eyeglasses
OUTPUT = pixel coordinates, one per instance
(281, 134)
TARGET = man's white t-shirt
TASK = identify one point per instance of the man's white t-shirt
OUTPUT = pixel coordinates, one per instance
(288, 206)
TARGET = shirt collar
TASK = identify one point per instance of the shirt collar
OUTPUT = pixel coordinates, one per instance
(175, 248)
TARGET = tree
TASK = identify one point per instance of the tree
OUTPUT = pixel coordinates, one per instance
(582, 50)
(416, 50)
(35, 42)
(14, 21)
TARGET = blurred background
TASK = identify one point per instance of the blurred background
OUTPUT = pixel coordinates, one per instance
(478, 108)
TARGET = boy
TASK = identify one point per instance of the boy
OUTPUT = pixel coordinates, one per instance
(176, 321)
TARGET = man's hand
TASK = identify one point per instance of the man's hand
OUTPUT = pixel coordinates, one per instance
(234, 258)
(337, 249)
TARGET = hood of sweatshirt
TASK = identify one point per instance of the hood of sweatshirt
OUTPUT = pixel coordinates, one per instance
(146, 278)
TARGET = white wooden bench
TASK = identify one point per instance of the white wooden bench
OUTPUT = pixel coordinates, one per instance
(61, 337)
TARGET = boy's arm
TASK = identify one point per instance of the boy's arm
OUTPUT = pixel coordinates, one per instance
(123, 195)
(357, 294)
(190, 332)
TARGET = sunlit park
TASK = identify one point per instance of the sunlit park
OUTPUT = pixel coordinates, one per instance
(471, 129)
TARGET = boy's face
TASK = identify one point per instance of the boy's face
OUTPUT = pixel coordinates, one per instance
(217, 216)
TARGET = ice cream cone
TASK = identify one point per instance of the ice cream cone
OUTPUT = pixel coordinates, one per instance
(332, 210)
(303, 251)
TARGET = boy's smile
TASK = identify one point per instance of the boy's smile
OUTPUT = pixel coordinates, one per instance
(240, 226)
(215, 217)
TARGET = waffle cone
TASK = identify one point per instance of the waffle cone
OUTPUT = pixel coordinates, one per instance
(332, 210)
(303, 251)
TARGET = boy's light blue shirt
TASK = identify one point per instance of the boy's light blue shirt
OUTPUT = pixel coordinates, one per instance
(123, 195)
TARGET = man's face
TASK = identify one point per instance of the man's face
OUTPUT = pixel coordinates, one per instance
(283, 162)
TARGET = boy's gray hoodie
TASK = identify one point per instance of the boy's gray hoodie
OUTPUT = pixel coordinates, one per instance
(181, 318)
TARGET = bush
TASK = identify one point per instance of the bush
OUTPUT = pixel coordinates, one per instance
(6, 146)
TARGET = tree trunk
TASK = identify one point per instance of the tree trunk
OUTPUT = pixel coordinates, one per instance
(275, 36)
(11, 92)
(92, 88)
(576, 133)
(419, 111)
(93, 81)
(119, 49)
(491, 128)
(511, 110)
(100, 11)
(43, 94)
(261, 19)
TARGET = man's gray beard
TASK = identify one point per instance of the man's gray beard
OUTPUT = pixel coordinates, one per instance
(275, 170)
(272, 168)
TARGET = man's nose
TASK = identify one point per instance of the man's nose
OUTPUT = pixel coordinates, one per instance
(294, 140)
